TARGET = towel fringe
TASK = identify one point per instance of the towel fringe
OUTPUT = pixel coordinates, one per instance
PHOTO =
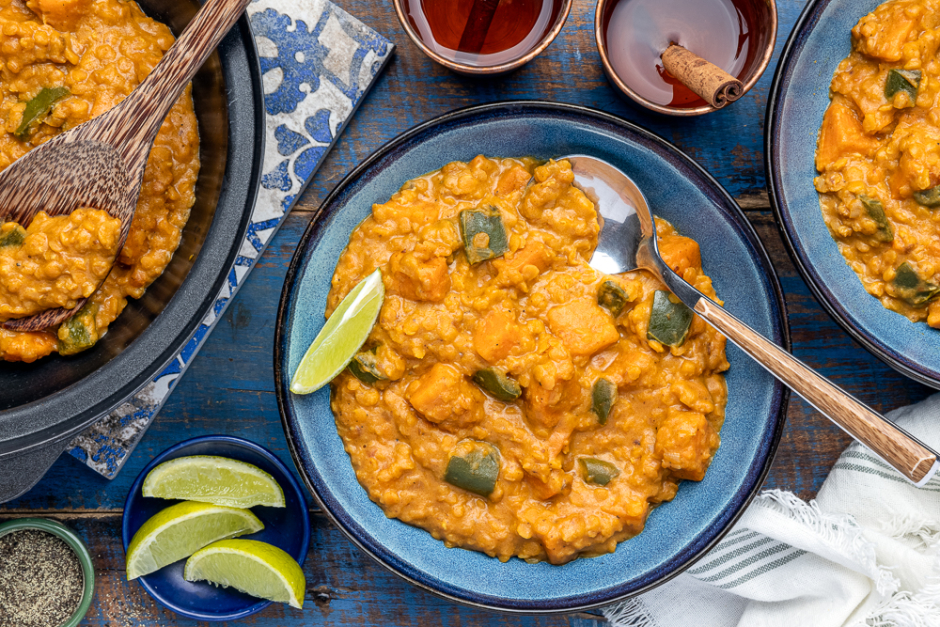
(841, 532)
(630, 613)
(924, 531)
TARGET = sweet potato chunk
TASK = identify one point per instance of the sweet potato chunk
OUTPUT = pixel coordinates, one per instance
(63, 14)
(496, 335)
(534, 253)
(415, 279)
(680, 253)
(686, 442)
(544, 407)
(841, 133)
(443, 395)
(583, 326)
(883, 32)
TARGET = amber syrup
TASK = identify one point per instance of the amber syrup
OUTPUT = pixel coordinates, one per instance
(510, 28)
(637, 32)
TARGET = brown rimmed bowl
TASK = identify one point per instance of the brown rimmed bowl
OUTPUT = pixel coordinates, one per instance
(488, 70)
(757, 61)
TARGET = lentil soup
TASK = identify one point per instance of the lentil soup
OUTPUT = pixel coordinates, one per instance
(62, 62)
(510, 399)
(56, 261)
(878, 157)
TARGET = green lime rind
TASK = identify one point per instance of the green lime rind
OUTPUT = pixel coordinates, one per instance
(341, 337)
(256, 568)
(182, 529)
(216, 480)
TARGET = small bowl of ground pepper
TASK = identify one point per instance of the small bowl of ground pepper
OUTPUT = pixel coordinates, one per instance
(47, 578)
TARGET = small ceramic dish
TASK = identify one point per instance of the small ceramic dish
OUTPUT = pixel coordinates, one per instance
(759, 55)
(799, 98)
(468, 69)
(285, 527)
(676, 533)
(76, 544)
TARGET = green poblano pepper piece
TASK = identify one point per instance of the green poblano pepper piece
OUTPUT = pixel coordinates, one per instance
(12, 235)
(928, 197)
(483, 233)
(911, 288)
(612, 297)
(669, 322)
(597, 471)
(876, 211)
(363, 366)
(497, 384)
(82, 331)
(902, 80)
(476, 471)
(603, 397)
(38, 107)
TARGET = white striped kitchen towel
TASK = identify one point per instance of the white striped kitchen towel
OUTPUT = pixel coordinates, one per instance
(866, 552)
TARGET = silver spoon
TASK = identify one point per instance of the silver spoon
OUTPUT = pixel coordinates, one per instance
(627, 242)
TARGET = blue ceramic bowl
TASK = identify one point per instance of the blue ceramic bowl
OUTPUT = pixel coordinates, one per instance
(677, 189)
(799, 97)
(285, 527)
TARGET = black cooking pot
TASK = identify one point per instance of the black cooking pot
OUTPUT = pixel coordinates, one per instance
(44, 404)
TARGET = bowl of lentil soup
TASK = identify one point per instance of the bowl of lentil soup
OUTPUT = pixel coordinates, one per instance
(850, 238)
(676, 532)
(197, 196)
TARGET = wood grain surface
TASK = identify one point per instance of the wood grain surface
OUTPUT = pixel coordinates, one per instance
(230, 386)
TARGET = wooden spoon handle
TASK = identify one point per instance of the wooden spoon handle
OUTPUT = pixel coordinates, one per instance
(894, 445)
(135, 122)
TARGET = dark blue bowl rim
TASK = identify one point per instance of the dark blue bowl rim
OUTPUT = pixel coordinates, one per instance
(807, 21)
(371, 546)
(228, 439)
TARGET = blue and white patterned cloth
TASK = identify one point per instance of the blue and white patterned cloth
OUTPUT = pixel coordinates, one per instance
(317, 63)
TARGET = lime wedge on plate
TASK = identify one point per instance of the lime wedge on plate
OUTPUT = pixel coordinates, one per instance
(342, 335)
(182, 529)
(213, 479)
(255, 568)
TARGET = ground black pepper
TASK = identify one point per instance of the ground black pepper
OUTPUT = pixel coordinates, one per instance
(41, 580)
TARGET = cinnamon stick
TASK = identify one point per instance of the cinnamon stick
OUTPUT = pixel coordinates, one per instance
(710, 82)
(478, 25)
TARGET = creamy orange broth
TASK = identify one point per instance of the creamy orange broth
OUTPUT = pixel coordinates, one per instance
(56, 261)
(878, 155)
(99, 50)
(533, 313)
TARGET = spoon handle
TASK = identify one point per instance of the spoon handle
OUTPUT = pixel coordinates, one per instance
(132, 125)
(895, 446)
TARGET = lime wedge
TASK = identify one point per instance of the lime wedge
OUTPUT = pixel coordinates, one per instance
(213, 479)
(342, 335)
(255, 568)
(182, 529)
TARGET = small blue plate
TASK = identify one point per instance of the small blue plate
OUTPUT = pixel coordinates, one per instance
(284, 527)
(799, 98)
(677, 533)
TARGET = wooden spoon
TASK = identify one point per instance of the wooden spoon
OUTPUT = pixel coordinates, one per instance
(101, 163)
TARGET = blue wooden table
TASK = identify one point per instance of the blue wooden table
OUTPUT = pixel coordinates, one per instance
(230, 387)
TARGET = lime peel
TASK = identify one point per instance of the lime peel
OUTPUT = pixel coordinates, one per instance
(214, 479)
(256, 568)
(341, 337)
(182, 529)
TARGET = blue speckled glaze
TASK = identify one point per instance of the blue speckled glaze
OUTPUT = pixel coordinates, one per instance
(285, 527)
(678, 190)
(799, 97)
